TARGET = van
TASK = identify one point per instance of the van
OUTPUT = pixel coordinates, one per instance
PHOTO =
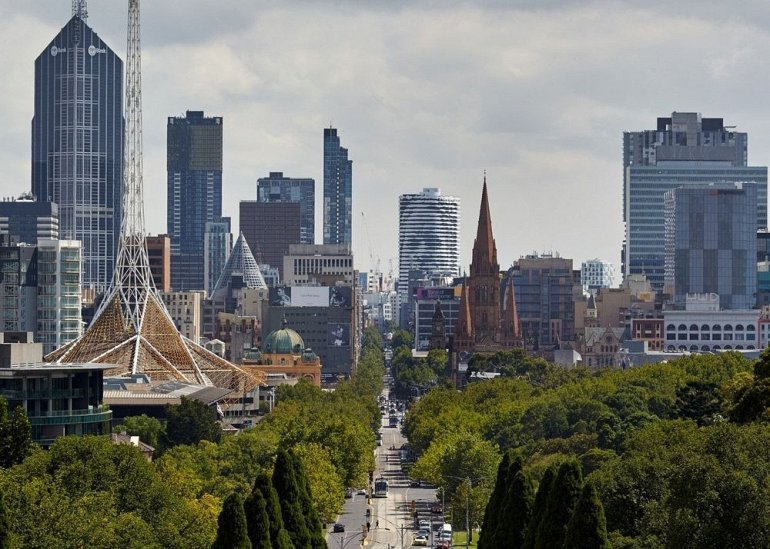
(446, 530)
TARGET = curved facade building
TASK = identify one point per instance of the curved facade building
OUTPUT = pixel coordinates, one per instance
(77, 143)
(428, 234)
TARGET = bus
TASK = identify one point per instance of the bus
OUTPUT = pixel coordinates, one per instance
(380, 488)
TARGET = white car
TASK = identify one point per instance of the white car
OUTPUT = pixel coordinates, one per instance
(420, 539)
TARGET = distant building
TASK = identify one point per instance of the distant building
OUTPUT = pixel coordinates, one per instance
(338, 191)
(545, 287)
(277, 188)
(318, 265)
(186, 310)
(218, 242)
(284, 352)
(426, 300)
(595, 274)
(428, 235)
(59, 276)
(711, 243)
(18, 286)
(77, 144)
(683, 150)
(194, 193)
(270, 228)
(26, 220)
(702, 326)
(159, 256)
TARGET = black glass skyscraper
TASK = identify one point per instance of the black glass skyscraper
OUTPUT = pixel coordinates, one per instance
(277, 188)
(77, 143)
(338, 190)
(194, 164)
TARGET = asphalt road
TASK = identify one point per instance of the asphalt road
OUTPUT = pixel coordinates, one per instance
(391, 520)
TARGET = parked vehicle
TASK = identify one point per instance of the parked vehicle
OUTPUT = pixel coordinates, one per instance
(348, 492)
(339, 527)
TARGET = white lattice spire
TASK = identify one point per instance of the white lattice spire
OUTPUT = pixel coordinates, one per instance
(80, 9)
(132, 277)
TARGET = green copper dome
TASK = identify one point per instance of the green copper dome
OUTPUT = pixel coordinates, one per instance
(283, 341)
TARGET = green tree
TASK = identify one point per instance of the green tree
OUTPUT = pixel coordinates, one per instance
(587, 527)
(232, 532)
(290, 496)
(699, 401)
(19, 435)
(312, 520)
(190, 422)
(323, 480)
(495, 505)
(539, 506)
(515, 518)
(279, 537)
(562, 498)
(5, 527)
(149, 429)
(257, 521)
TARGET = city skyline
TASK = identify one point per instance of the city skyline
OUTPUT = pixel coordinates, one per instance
(432, 96)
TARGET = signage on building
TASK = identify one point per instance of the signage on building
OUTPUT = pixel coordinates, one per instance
(433, 294)
(338, 334)
(310, 296)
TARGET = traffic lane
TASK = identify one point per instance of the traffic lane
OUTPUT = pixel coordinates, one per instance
(353, 511)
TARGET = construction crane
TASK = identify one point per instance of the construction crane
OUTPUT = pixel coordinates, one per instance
(372, 262)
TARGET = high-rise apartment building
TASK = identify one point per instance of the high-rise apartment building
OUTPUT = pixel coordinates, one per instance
(217, 245)
(711, 243)
(683, 150)
(26, 220)
(318, 265)
(277, 188)
(18, 285)
(338, 191)
(77, 143)
(270, 228)
(194, 164)
(58, 292)
(428, 234)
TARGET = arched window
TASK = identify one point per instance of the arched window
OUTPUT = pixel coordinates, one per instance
(704, 328)
(728, 347)
(693, 327)
(670, 327)
(728, 327)
(682, 327)
(693, 347)
(683, 347)
(750, 328)
(739, 347)
(671, 348)
(704, 348)
(716, 327)
(739, 327)
(751, 347)
(716, 348)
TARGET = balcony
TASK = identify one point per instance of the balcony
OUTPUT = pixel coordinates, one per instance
(96, 414)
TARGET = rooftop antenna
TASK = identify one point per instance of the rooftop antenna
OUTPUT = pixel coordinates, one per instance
(80, 9)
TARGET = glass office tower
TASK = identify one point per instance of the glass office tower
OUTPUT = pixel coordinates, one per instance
(684, 150)
(77, 143)
(338, 191)
(194, 186)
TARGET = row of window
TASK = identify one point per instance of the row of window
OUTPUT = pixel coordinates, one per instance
(715, 327)
(706, 337)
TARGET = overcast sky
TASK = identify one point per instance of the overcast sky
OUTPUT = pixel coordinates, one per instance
(424, 94)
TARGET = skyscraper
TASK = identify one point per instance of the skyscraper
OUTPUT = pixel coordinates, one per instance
(77, 143)
(428, 232)
(277, 188)
(26, 220)
(428, 236)
(216, 249)
(194, 164)
(683, 150)
(338, 191)
(711, 243)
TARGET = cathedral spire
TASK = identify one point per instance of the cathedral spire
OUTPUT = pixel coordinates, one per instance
(511, 324)
(484, 249)
(464, 327)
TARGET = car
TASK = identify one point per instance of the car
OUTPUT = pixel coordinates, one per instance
(424, 525)
(338, 527)
(415, 483)
(421, 540)
(361, 492)
(436, 508)
(443, 544)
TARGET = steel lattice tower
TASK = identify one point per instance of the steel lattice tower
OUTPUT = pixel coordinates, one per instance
(132, 328)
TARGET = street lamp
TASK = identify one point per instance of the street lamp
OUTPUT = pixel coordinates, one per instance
(469, 482)
(344, 542)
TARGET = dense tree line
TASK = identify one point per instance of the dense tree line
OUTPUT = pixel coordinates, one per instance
(412, 376)
(676, 453)
(87, 492)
